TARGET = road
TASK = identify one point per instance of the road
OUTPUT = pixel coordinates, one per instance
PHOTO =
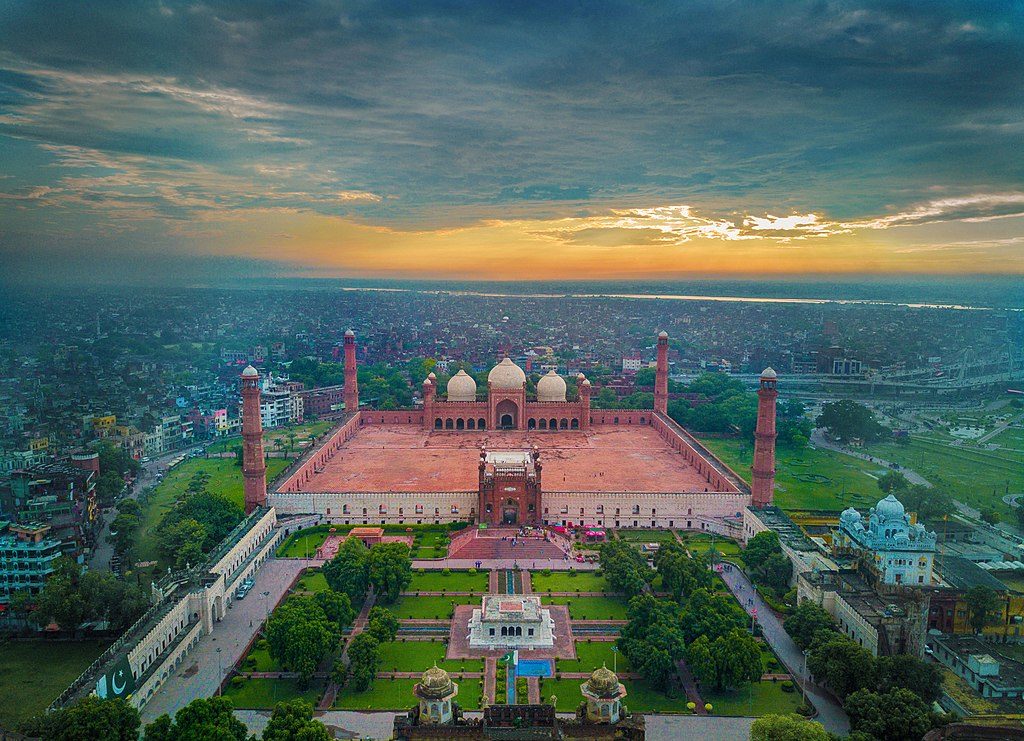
(830, 712)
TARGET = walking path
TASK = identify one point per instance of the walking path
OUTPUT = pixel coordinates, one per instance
(830, 712)
(690, 687)
(357, 627)
(490, 682)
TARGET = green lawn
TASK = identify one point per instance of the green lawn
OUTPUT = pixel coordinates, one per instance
(428, 608)
(302, 433)
(701, 543)
(640, 697)
(264, 694)
(454, 581)
(225, 478)
(809, 478)
(978, 477)
(303, 543)
(263, 662)
(760, 698)
(385, 694)
(1011, 439)
(645, 536)
(593, 655)
(568, 581)
(33, 673)
(312, 581)
(418, 656)
(591, 608)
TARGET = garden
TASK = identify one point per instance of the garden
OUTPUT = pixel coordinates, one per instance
(449, 581)
(591, 608)
(568, 581)
(409, 607)
(34, 673)
(419, 655)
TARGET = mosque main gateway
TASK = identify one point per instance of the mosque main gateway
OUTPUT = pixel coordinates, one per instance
(514, 459)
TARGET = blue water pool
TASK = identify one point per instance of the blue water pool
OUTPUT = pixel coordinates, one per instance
(534, 668)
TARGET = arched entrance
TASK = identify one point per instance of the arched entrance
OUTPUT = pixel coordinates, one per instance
(510, 513)
(507, 414)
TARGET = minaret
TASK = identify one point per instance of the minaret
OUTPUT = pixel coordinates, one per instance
(763, 490)
(351, 379)
(429, 392)
(583, 386)
(661, 377)
(254, 467)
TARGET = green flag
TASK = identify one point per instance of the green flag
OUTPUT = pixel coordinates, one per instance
(117, 681)
(507, 657)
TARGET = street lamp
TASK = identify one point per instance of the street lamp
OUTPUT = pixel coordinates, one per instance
(220, 671)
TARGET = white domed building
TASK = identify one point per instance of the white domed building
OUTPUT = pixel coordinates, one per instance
(892, 548)
(507, 406)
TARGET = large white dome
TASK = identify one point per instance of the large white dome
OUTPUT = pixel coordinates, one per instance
(890, 508)
(506, 375)
(551, 387)
(461, 387)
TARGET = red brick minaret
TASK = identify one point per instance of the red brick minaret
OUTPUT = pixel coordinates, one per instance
(351, 379)
(429, 395)
(584, 388)
(661, 377)
(254, 467)
(763, 490)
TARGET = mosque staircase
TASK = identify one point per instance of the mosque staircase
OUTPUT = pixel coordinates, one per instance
(497, 544)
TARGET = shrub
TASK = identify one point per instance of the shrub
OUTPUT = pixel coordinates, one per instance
(446, 572)
(788, 686)
(472, 570)
(237, 681)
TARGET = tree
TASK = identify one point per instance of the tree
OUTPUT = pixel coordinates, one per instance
(653, 640)
(364, 660)
(930, 503)
(382, 624)
(293, 721)
(108, 485)
(90, 719)
(300, 635)
(71, 598)
(983, 606)
(203, 718)
(787, 728)
(389, 570)
(760, 547)
(805, 621)
(125, 525)
(903, 671)
(624, 568)
(116, 459)
(727, 661)
(896, 715)
(893, 482)
(181, 541)
(216, 512)
(711, 615)
(848, 420)
(767, 563)
(347, 571)
(775, 573)
(337, 607)
(841, 664)
(680, 574)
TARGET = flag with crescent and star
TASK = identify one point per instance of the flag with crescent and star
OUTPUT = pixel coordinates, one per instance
(117, 682)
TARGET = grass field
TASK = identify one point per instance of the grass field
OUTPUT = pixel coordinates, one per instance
(418, 656)
(385, 694)
(264, 694)
(303, 543)
(645, 536)
(263, 661)
(978, 477)
(454, 581)
(1011, 438)
(311, 581)
(702, 542)
(225, 478)
(640, 697)
(33, 673)
(568, 581)
(428, 608)
(808, 478)
(302, 433)
(591, 608)
(760, 698)
(592, 655)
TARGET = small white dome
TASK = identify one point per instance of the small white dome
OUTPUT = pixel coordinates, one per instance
(461, 387)
(432, 376)
(769, 373)
(585, 382)
(551, 387)
(250, 372)
(506, 375)
(663, 335)
(349, 333)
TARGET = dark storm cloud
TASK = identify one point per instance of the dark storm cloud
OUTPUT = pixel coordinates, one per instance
(390, 110)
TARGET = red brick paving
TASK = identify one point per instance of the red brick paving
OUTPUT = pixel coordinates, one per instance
(604, 458)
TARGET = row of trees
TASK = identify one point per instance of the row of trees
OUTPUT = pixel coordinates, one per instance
(93, 719)
(364, 657)
(305, 631)
(387, 567)
(888, 697)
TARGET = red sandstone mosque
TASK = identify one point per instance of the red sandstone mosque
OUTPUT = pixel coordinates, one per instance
(512, 460)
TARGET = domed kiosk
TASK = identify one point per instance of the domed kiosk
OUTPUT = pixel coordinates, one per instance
(603, 694)
(435, 691)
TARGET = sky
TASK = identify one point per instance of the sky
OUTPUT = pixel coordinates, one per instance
(214, 141)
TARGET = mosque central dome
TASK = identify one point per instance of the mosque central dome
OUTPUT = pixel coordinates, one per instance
(506, 375)
(551, 387)
(461, 387)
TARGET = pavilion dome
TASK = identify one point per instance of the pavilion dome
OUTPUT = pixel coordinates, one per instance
(769, 373)
(890, 508)
(461, 387)
(435, 683)
(250, 372)
(551, 387)
(506, 375)
(603, 683)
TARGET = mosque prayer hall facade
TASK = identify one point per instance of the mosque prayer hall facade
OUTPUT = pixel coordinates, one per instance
(506, 458)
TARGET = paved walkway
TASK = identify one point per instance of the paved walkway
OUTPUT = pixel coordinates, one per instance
(357, 627)
(200, 673)
(490, 682)
(690, 687)
(830, 712)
